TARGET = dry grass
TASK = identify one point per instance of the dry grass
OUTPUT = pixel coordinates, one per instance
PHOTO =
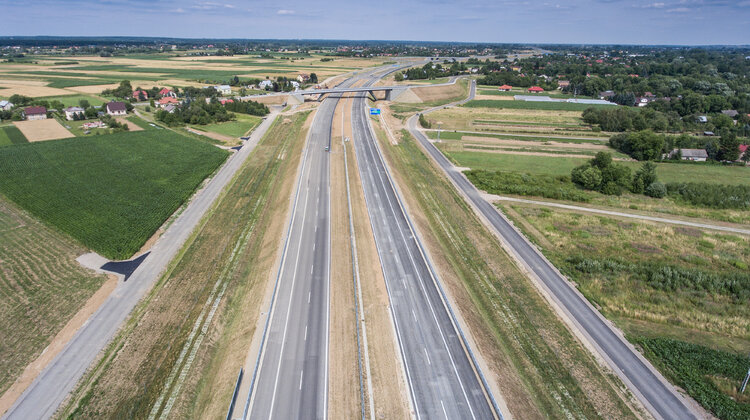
(40, 130)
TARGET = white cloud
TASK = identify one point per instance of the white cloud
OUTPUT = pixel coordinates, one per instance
(657, 5)
(678, 10)
(285, 12)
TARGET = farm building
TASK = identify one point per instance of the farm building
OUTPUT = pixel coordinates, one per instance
(505, 88)
(35, 113)
(116, 108)
(265, 84)
(561, 84)
(170, 108)
(696, 155)
(72, 112)
(535, 89)
(303, 78)
(5, 106)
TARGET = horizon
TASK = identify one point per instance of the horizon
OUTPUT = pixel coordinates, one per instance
(641, 22)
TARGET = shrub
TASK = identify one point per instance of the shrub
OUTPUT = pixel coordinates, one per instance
(559, 188)
(717, 196)
(656, 190)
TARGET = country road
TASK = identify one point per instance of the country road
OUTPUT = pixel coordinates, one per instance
(659, 397)
(43, 397)
(440, 375)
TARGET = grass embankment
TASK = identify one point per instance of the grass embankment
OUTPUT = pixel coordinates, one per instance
(234, 250)
(110, 192)
(541, 369)
(41, 288)
(660, 282)
(10, 135)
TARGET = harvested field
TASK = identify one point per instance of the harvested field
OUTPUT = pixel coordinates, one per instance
(42, 288)
(32, 89)
(40, 130)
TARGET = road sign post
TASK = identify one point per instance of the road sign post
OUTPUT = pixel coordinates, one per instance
(374, 111)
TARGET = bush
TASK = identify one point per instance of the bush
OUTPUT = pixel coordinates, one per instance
(423, 121)
(558, 188)
(601, 174)
(717, 196)
(656, 190)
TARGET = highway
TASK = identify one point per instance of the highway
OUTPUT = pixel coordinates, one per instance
(292, 374)
(42, 398)
(659, 397)
(440, 375)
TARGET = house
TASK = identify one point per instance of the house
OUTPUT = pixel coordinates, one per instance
(35, 113)
(73, 112)
(730, 113)
(702, 119)
(5, 106)
(515, 68)
(140, 95)
(265, 84)
(505, 88)
(223, 89)
(562, 84)
(743, 150)
(294, 84)
(607, 94)
(167, 100)
(224, 101)
(695, 155)
(303, 78)
(535, 89)
(642, 101)
(170, 108)
(167, 92)
(116, 108)
(649, 95)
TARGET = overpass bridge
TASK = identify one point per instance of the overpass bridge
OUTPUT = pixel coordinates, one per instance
(391, 92)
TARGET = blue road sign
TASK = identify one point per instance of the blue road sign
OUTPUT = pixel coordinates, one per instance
(374, 111)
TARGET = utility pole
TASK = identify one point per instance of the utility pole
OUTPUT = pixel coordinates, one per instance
(439, 123)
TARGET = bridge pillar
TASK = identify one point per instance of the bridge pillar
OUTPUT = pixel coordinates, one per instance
(372, 96)
(388, 94)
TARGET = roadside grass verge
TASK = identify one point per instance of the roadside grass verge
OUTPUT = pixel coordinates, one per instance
(231, 250)
(41, 288)
(541, 369)
(110, 192)
(10, 135)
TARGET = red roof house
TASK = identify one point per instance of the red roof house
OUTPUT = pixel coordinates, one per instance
(505, 88)
(167, 100)
(140, 95)
(743, 149)
(536, 89)
(226, 101)
(167, 92)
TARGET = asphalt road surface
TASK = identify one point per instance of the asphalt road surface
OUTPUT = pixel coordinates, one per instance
(441, 376)
(42, 398)
(658, 396)
(292, 377)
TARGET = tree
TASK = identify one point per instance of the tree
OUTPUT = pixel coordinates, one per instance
(83, 103)
(313, 78)
(90, 112)
(644, 177)
(729, 147)
(587, 176)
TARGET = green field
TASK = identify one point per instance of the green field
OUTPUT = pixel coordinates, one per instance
(236, 128)
(110, 192)
(551, 165)
(546, 106)
(10, 135)
(72, 100)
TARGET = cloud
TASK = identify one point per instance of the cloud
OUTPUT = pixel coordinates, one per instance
(285, 12)
(658, 5)
(210, 5)
(678, 10)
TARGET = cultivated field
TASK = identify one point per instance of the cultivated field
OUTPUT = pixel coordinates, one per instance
(10, 135)
(237, 128)
(228, 262)
(110, 192)
(40, 130)
(41, 288)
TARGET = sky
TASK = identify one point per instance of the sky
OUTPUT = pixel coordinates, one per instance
(683, 22)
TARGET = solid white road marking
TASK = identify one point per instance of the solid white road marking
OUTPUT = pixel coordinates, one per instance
(414, 315)
(444, 413)
(300, 380)
(308, 296)
(428, 356)
(305, 332)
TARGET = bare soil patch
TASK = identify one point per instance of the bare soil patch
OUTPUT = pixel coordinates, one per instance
(40, 130)
(438, 93)
(131, 125)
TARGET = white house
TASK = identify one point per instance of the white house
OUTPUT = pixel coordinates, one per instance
(294, 84)
(70, 112)
(265, 84)
(116, 108)
(5, 106)
(223, 89)
(696, 155)
(35, 113)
